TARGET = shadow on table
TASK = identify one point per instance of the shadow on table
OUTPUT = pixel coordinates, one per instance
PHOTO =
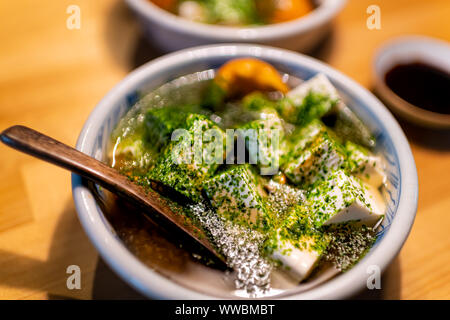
(390, 285)
(26, 271)
(324, 48)
(125, 41)
(107, 285)
(427, 138)
(144, 51)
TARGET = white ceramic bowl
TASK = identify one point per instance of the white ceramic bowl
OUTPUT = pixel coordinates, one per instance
(408, 49)
(170, 32)
(402, 191)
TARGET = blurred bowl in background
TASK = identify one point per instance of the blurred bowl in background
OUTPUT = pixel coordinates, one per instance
(170, 32)
(406, 50)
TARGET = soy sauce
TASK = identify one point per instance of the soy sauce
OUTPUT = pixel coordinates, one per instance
(422, 85)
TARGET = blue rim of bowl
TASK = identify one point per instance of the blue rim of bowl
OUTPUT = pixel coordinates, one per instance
(153, 284)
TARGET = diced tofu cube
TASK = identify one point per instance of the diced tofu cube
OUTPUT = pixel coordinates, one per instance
(310, 100)
(363, 164)
(342, 198)
(300, 138)
(263, 141)
(282, 198)
(298, 246)
(292, 194)
(237, 195)
(347, 125)
(316, 162)
(298, 262)
(319, 84)
(179, 168)
(160, 123)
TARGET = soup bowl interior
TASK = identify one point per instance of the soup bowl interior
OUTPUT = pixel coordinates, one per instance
(401, 190)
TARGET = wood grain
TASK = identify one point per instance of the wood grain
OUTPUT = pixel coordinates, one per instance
(52, 77)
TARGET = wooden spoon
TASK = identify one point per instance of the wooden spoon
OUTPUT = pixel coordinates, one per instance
(43, 147)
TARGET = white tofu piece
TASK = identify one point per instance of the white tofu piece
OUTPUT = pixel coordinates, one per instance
(343, 198)
(310, 100)
(299, 246)
(366, 166)
(283, 197)
(348, 125)
(265, 150)
(318, 83)
(316, 162)
(297, 141)
(373, 172)
(299, 263)
(237, 195)
(288, 191)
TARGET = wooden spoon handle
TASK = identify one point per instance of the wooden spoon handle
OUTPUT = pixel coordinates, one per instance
(43, 147)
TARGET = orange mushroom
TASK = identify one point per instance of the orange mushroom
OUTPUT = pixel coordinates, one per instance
(242, 76)
(168, 5)
(286, 10)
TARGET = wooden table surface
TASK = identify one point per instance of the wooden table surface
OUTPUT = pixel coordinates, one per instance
(51, 78)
